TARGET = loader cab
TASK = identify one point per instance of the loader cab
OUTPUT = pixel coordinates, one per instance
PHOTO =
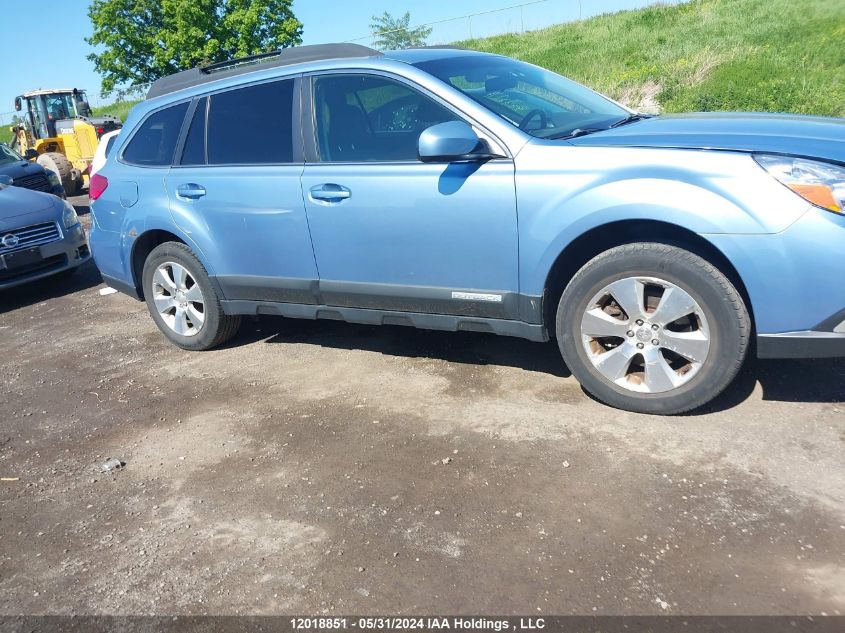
(43, 109)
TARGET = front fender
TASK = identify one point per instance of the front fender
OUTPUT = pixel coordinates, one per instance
(565, 191)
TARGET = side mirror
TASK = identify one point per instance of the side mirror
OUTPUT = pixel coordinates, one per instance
(18, 104)
(6, 181)
(450, 142)
(30, 154)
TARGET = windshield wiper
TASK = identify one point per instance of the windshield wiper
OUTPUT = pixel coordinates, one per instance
(636, 116)
(580, 131)
(583, 131)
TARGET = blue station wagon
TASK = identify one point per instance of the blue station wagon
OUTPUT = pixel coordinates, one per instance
(454, 190)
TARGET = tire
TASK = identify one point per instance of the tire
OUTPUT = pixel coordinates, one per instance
(193, 320)
(651, 363)
(60, 165)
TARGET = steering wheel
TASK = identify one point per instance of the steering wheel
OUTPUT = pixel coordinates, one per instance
(537, 112)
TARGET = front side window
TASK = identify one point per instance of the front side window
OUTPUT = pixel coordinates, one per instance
(155, 141)
(537, 101)
(366, 118)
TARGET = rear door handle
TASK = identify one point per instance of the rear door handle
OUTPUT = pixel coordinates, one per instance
(190, 191)
(330, 192)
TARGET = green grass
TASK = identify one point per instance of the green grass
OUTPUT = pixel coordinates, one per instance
(120, 109)
(754, 55)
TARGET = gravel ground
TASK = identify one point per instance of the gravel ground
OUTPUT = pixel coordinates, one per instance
(314, 467)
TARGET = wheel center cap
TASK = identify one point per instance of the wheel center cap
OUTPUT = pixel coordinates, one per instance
(180, 297)
(644, 334)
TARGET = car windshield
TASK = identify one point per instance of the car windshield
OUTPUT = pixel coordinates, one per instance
(8, 155)
(537, 101)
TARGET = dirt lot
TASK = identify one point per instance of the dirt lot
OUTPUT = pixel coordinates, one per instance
(317, 466)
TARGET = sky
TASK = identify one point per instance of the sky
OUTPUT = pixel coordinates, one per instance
(61, 62)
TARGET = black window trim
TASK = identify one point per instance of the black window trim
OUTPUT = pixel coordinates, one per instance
(309, 123)
(138, 127)
(296, 118)
(186, 129)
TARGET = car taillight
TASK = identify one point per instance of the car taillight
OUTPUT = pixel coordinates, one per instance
(97, 186)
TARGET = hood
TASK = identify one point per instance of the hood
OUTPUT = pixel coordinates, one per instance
(811, 137)
(21, 168)
(22, 207)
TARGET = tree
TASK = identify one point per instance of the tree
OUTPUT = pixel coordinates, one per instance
(143, 40)
(392, 33)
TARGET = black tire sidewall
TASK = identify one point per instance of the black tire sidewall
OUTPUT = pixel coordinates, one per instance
(181, 254)
(728, 342)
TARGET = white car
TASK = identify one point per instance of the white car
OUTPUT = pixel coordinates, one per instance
(103, 150)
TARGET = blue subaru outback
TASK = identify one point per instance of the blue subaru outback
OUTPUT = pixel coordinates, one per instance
(453, 190)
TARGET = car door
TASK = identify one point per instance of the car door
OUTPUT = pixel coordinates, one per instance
(391, 232)
(235, 189)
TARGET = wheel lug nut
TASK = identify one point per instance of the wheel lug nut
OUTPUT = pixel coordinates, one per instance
(655, 342)
(639, 321)
(630, 333)
(655, 327)
(640, 345)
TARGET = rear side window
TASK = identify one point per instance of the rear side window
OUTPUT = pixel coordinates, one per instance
(194, 152)
(251, 125)
(155, 141)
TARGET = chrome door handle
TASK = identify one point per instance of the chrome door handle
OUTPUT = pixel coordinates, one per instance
(330, 192)
(190, 191)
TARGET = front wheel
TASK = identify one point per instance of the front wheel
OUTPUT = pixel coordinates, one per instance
(652, 328)
(182, 301)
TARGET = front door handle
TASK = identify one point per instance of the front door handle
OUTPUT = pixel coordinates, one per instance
(190, 191)
(330, 192)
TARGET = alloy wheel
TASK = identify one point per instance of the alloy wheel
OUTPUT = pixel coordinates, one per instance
(645, 334)
(178, 299)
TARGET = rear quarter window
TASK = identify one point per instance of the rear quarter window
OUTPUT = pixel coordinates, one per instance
(155, 141)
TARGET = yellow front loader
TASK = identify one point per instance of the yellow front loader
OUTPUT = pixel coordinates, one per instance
(60, 133)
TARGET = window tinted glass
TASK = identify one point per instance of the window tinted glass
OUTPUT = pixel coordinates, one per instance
(110, 144)
(369, 118)
(194, 151)
(251, 125)
(537, 101)
(155, 141)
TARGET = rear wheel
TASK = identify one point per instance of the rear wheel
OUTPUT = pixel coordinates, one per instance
(652, 328)
(182, 301)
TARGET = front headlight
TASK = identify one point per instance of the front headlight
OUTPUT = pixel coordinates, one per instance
(53, 178)
(69, 217)
(822, 184)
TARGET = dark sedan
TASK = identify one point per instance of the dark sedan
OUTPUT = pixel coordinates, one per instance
(29, 175)
(40, 235)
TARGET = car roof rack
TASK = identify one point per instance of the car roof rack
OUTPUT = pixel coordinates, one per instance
(262, 61)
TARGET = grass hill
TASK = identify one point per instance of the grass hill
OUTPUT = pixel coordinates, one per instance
(759, 55)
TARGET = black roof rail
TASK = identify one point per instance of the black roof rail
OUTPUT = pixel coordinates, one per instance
(241, 65)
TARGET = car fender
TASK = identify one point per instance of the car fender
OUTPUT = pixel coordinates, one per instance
(562, 194)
